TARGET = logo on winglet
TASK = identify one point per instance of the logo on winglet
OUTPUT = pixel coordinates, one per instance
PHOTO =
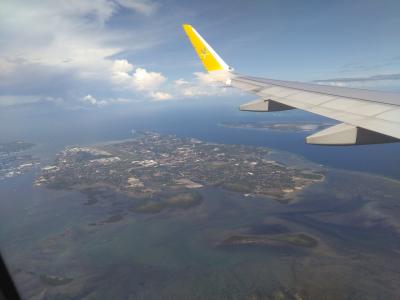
(204, 53)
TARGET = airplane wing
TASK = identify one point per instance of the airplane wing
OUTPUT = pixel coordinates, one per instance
(367, 117)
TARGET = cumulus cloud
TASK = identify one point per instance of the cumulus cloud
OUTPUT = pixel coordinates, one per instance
(124, 75)
(202, 85)
(180, 82)
(68, 50)
(89, 99)
(147, 81)
(120, 71)
(59, 33)
(58, 40)
(93, 101)
(204, 78)
(161, 96)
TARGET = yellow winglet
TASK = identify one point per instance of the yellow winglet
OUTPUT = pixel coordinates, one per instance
(210, 59)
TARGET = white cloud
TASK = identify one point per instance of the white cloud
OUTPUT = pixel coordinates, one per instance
(145, 7)
(57, 33)
(68, 49)
(180, 82)
(89, 99)
(120, 71)
(147, 81)
(121, 66)
(92, 101)
(204, 78)
(123, 74)
(161, 96)
(69, 39)
(202, 85)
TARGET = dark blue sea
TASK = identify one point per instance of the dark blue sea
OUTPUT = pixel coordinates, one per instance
(54, 128)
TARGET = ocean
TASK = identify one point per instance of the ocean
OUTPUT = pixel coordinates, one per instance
(178, 254)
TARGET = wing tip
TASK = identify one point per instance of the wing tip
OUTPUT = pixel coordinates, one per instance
(186, 26)
(210, 59)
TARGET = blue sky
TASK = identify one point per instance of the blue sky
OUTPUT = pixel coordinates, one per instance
(82, 53)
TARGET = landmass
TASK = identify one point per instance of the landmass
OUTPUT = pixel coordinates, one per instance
(290, 127)
(14, 159)
(192, 238)
(164, 171)
(293, 239)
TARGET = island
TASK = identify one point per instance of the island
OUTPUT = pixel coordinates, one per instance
(155, 213)
(292, 239)
(163, 171)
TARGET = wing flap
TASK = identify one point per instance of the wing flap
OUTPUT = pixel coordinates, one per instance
(345, 134)
(262, 105)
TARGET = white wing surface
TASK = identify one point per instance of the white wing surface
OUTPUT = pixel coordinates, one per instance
(368, 117)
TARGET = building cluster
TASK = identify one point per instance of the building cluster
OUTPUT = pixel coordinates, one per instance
(15, 159)
(153, 163)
